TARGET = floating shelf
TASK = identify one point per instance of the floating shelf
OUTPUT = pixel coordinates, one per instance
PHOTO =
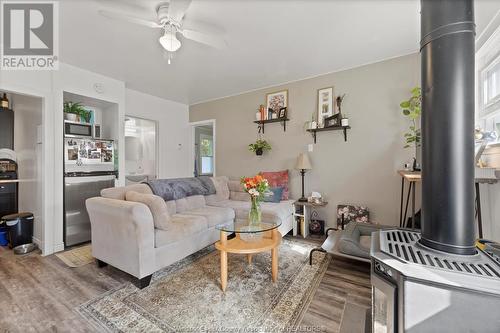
(261, 123)
(331, 128)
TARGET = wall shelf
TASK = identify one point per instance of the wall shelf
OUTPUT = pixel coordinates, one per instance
(261, 123)
(331, 128)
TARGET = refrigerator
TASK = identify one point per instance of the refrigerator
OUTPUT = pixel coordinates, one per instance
(89, 167)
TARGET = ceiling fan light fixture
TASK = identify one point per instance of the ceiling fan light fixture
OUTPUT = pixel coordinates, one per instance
(170, 42)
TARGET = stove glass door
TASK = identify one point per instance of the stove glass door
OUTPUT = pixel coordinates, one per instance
(384, 305)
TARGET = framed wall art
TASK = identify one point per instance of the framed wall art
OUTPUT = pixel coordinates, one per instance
(277, 100)
(326, 105)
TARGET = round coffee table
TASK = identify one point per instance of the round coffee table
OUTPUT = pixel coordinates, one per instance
(249, 239)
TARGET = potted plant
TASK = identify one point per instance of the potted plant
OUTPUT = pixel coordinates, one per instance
(74, 111)
(412, 108)
(259, 147)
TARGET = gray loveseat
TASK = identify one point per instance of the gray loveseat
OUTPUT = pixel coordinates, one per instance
(124, 233)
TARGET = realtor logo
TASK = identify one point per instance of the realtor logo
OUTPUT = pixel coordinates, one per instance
(29, 35)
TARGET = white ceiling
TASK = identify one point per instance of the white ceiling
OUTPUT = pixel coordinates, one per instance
(270, 42)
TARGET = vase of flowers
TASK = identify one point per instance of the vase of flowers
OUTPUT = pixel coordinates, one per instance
(257, 187)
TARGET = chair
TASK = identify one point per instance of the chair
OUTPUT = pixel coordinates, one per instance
(353, 241)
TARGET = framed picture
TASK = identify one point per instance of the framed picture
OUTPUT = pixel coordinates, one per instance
(282, 113)
(277, 100)
(326, 105)
(332, 120)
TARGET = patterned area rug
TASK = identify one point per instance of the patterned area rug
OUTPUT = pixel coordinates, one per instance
(77, 257)
(186, 296)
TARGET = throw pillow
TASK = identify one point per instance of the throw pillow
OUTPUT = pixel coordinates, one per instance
(278, 179)
(276, 197)
(156, 205)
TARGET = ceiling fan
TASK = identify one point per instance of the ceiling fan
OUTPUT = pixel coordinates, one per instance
(171, 19)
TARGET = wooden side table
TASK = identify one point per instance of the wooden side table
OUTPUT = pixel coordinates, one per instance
(413, 177)
(303, 210)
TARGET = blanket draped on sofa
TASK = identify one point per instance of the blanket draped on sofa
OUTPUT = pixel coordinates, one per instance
(178, 188)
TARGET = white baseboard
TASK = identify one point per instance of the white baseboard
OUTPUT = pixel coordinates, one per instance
(58, 247)
(40, 244)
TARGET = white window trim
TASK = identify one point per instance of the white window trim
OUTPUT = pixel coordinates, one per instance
(487, 56)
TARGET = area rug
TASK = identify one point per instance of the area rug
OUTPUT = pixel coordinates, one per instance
(77, 257)
(186, 296)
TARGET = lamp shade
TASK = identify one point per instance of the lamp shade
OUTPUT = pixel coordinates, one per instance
(303, 162)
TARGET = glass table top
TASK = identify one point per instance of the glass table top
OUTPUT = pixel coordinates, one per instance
(243, 226)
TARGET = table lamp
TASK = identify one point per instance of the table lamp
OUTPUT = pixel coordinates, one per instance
(303, 164)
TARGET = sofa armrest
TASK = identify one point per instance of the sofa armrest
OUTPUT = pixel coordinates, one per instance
(123, 235)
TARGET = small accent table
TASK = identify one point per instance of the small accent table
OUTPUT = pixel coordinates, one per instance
(249, 240)
(303, 210)
(413, 177)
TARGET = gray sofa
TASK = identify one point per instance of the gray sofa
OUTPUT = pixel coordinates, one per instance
(124, 233)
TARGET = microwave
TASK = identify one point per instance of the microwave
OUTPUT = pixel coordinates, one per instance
(81, 130)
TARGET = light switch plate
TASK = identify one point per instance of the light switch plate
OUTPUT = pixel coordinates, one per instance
(310, 147)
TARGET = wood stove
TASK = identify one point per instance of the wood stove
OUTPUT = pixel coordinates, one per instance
(437, 281)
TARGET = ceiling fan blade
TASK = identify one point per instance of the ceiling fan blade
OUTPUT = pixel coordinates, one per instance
(198, 25)
(211, 40)
(132, 19)
(177, 9)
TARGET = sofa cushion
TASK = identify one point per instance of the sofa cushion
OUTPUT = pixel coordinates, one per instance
(182, 226)
(118, 193)
(271, 212)
(189, 203)
(221, 190)
(214, 215)
(156, 205)
(278, 179)
(275, 197)
(237, 192)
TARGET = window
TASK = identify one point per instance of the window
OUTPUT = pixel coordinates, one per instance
(490, 80)
(206, 154)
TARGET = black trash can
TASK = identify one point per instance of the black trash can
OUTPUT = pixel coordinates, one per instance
(20, 228)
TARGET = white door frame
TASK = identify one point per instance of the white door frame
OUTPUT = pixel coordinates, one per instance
(192, 126)
(157, 143)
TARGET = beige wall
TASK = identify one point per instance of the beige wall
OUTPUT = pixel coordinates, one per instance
(359, 171)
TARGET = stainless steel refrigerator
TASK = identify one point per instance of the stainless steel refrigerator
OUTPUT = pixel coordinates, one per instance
(88, 168)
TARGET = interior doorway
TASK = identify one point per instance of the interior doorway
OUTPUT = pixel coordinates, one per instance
(141, 152)
(203, 148)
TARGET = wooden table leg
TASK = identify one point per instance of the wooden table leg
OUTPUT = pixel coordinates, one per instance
(223, 262)
(274, 258)
(223, 270)
(249, 256)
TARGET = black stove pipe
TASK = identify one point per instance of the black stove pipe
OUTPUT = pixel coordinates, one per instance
(447, 60)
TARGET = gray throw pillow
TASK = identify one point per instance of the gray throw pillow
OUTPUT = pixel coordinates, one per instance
(156, 205)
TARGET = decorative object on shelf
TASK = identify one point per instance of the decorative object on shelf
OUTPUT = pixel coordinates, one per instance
(332, 121)
(344, 122)
(74, 111)
(257, 187)
(270, 114)
(339, 100)
(259, 147)
(303, 164)
(412, 109)
(277, 100)
(326, 104)
(5, 101)
(282, 113)
(258, 116)
(262, 111)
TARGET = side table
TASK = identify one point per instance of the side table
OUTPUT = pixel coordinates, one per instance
(303, 210)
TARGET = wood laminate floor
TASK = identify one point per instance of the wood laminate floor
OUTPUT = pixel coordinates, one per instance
(39, 294)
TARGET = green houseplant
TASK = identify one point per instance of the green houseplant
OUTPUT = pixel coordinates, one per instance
(412, 108)
(259, 147)
(76, 112)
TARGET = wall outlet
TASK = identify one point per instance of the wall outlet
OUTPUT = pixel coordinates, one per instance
(310, 147)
